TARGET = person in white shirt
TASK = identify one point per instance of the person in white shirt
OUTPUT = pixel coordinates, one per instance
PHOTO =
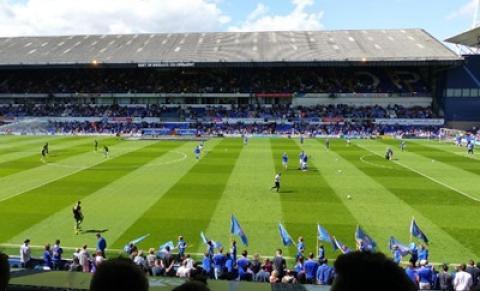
(84, 259)
(463, 280)
(183, 271)
(25, 254)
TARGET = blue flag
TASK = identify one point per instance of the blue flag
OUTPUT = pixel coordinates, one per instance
(362, 238)
(417, 232)
(135, 242)
(237, 230)
(286, 239)
(404, 250)
(203, 237)
(216, 244)
(343, 248)
(167, 244)
(323, 235)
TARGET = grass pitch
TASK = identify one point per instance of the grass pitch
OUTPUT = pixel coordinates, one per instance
(158, 187)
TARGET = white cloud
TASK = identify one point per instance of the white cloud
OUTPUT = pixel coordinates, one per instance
(466, 10)
(298, 19)
(55, 17)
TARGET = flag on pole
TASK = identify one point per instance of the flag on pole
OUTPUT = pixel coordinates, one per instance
(216, 244)
(343, 248)
(135, 242)
(404, 250)
(286, 238)
(235, 229)
(323, 235)
(165, 245)
(417, 232)
(203, 237)
(362, 237)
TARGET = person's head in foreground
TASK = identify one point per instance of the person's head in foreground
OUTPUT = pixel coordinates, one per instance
(192, 285)
(4, 271)
(360, 271)
(119, 275)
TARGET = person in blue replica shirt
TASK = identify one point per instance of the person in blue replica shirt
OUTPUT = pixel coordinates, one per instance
(302, 139)
(300, 247)
(47, 257)
(101, 244)
(305, 163)
(300, 159)
(233, 250)
(413, 253)
(285, 161)
(325, 273)
(197, 151)
(470, 147)
(243, 261)
(397, 255)
(412, 273)
(219, 263)
(310, 268)
(321, 253)
(207, 265)
(229, 268)
(425, 276)
(299, 266)
(423, 253)
(182, 246)
(57, 252)
(210, 249)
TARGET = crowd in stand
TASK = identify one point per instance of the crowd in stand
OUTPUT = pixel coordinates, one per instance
(343, 129)
(239, 80)
(228, 265)
(284, 112)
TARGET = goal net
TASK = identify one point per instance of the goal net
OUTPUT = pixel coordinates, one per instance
(450, 135)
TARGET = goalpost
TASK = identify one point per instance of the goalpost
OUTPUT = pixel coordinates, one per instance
(449, 135)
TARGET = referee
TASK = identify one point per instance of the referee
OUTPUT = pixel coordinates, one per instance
(277, 182)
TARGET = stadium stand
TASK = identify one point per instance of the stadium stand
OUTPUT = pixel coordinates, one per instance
(359, 84)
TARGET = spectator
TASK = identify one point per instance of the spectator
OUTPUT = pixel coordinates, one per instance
(84, 259)
(425, 276)
(57, 251)
(47, 257)
(4, 272)
(279, 264)
(474, 272)
(369, 271)
(445, 279)
(289, 278)
(412, 273)
(25, 254)
(423, 253)
(325, 274)
(119, 275)
(101, 244)
(151, 258)
(140, 261)
(243, 261)
(274, 277)
(463, 280)
(75, 266)
(219, 263)
(310, 269)
(183, 271)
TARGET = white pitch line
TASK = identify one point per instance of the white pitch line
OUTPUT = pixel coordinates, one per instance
(362, 158)
(56, 178)
(426, 176)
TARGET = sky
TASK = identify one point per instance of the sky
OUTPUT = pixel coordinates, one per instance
(442, 18)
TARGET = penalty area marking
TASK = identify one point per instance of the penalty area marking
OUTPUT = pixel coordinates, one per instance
(426, 176)
(183, 157)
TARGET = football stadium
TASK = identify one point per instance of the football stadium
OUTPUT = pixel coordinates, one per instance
(243, 158)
